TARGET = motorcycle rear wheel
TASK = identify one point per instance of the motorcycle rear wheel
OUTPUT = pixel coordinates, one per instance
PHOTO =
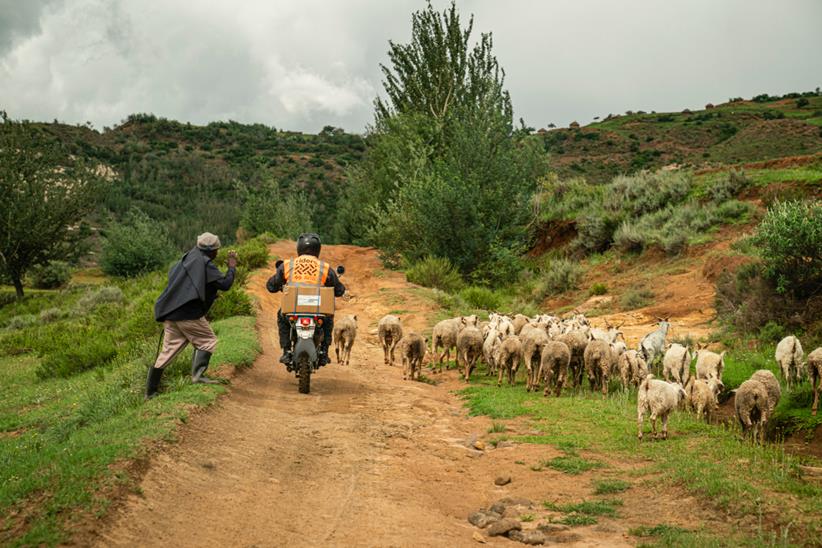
(304, 369)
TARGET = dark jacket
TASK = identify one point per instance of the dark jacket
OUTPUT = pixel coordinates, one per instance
(276, 282)
(192, 288)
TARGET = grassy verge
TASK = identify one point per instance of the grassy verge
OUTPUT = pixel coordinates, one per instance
(707, 461)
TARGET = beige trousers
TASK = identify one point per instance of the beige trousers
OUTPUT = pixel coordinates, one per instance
(177, 335)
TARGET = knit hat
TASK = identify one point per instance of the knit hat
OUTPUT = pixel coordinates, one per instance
(208, 242)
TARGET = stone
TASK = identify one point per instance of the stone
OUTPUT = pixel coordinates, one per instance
(479, 445)
(502, 527)
(483, 519)
(515, 501)
(527, 537)
(475, 518)
(552, 527)
(474, 453)
(563, 538)
(502, 480)
(514, 511)
(498, 507)
(479, 538)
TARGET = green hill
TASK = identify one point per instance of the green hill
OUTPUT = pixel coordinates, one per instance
(737, 132)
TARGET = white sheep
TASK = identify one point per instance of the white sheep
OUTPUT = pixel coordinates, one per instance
(469, 349)
(508, 358)
(553, 366)
(709, 364)
(657, 398)
(815, 372)
(632, 368)
(676, 364)
(493, 338)
(519, 322)
(389, 330)
(771, 384)
(703, 396)
(412, 352)
(751, 404)
(345, 331)
(789, 357)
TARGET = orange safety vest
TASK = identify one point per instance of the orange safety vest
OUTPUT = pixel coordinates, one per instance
(306, 270)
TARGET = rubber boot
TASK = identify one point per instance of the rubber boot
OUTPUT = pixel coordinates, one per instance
(199, 364)
(287, 359)
(153, 381)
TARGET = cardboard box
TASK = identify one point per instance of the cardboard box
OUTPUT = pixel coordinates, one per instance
(308, 300)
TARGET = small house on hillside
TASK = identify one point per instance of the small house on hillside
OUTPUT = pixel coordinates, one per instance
(574, 125)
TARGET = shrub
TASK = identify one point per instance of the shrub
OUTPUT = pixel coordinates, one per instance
(729, 187)
(250, 255)
(771, 332)
(21, 322)
(70, 360)
(51, 276)
(598, 289)
(647, 192)
(104, 295)
(481, 297)
(636, 298)
(234, 302)
(139, 245)
(790, 243)
(559, 276)
(436, 272)
(284, 214)
(51, 315)
(595, 230)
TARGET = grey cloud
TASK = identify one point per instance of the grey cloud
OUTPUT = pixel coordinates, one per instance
(302, 64)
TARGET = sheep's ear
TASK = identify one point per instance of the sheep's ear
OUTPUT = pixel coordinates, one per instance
(355, 317)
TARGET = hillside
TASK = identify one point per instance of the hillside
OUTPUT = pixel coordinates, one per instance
(736, 132)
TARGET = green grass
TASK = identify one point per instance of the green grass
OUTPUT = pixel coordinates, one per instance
(572, 464)
(497, 427)
(604, 507)
(707, 461)
(577, 520)
(610, 486)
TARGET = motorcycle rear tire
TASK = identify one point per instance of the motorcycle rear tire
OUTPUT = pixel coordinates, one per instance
(304, 367)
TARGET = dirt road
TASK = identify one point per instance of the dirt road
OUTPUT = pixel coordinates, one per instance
(366, 459)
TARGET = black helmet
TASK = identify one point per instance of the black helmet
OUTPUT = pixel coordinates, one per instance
(309, 244)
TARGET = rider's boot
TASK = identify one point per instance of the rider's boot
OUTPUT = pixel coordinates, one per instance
(199, 364)
(153, 382)
(287, 359)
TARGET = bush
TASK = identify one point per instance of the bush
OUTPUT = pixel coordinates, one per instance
(139, 245)
(771, 332)
(559, 276)
(647, 192)
(284, 214)
(104, 295)
(50, 315)
(481, 297)
(636, 298)
(51, 276)
(790, 243)
(436, 272)
(250, 255)
(21, 322)
(598, 289)
(70, 360)
(729, 187)
(234, 302)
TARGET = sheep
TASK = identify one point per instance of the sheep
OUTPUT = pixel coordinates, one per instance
(652, 344)
(445, 335)
(657, 398)
(751, 404)
(533, 340)
(598, 364)
(508, 358)
(389, 330)
(412, 351)
(789, 357)
(815, 372)
(469, 349)
(702, 396)
(489, 348)
(576, 340)
(632, 368)
(519, 322)
(608, 335)
(709, 364)
(771, 385)
(501, 323)
(553, 366)
(345, 331)
(676, 364)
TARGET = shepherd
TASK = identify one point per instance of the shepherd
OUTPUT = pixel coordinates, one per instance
(193, 283)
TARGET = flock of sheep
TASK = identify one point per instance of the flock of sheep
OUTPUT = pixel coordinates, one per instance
(558, 351)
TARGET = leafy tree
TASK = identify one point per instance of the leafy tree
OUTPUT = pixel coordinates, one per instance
(46, 192)
(139, 245)
(445, 174)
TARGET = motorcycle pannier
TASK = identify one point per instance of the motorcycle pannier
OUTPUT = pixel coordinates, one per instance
(308, 300)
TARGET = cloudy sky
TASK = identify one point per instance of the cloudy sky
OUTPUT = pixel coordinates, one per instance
(302, 64)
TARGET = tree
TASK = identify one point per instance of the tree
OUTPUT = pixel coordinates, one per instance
(267, 210)
(46, 192)
(445, 173)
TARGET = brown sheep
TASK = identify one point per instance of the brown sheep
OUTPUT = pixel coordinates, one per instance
(598, 363)
(508, 358)
(553, 366)
(389, 331)
(412, 351)
(576, 341)
(533, 341)
(445, 335)
(632, 368)
(469, 349)
(345, 331)
(815, 372)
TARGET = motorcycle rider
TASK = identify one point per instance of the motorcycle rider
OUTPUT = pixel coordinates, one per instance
(307, 270)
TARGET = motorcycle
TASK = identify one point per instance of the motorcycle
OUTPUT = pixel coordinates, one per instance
(306, 338)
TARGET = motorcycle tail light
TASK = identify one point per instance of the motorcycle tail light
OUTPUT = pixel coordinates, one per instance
(318, 320)
(293, 318)
(305, 321)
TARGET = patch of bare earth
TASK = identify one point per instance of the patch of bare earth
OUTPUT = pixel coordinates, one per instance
(366, 459)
